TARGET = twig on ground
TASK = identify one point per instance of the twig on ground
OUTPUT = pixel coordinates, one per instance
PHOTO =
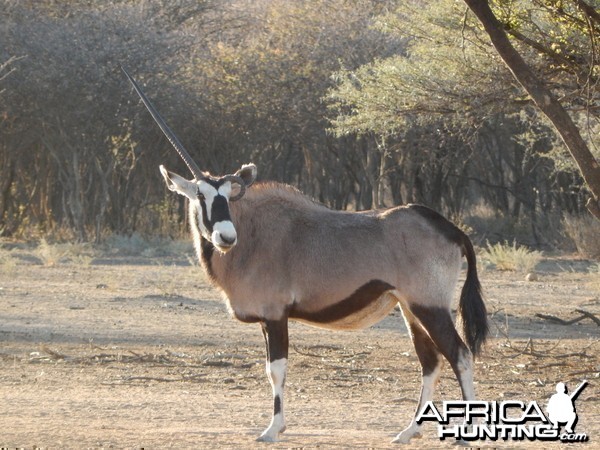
(582, 372)
(164, 380)
(584, 315)
(326, 347)
(558, 320)
(589, 315)
(304, 353)
(556, 364)
(529, 350)
(54, 354)
(194, 377)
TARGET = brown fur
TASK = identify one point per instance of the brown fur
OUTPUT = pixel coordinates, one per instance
(295, 259)
(295, 253)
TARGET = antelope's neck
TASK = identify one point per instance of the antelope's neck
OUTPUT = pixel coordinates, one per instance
(204, 248)
(206, 252)
(212, 261)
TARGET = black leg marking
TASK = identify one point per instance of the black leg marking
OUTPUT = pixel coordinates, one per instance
(276, 337)
(427, 352)
(440, 328)
(277, 405)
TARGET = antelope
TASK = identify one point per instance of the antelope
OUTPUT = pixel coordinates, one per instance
(277, 256)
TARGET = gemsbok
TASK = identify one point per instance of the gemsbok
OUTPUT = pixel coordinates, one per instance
(276, 255)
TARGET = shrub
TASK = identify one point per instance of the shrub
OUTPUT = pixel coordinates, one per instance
(78, 254)
(505, 256)
(50, 254)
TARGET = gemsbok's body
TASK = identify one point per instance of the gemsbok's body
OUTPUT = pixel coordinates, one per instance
(278, 256)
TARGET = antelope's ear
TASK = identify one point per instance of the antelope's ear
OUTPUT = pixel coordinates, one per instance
(179, 184)
(247, 173)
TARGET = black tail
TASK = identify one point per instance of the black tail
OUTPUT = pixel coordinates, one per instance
(471, 306)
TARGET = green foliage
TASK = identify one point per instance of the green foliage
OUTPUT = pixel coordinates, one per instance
(452, 115)
(450, 67)
(447, 70)
(556, 32)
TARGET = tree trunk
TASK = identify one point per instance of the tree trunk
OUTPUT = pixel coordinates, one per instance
(544, 99)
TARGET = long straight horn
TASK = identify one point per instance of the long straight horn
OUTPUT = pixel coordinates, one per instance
(166, 130)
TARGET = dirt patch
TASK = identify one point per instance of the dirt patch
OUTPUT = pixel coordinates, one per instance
(145, 355)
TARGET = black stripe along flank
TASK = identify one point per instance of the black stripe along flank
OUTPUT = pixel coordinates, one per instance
(360, 299)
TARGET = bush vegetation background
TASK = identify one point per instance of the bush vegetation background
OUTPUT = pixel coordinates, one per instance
(360, 104)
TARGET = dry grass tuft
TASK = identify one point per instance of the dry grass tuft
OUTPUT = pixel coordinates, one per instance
(7, 261)
(49, 254)
(73, 253)
(505, 256)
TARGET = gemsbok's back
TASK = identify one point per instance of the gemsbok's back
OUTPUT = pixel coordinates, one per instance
(278, 256)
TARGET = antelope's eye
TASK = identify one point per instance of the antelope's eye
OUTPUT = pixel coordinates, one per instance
(201, 196)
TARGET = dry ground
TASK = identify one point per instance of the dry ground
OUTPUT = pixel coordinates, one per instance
(129, 353)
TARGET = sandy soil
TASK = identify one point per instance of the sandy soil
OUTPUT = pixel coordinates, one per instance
(141, 353)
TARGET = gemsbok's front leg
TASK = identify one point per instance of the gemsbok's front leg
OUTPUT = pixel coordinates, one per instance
(276, 339)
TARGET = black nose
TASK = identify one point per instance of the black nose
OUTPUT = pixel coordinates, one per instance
(227, 240)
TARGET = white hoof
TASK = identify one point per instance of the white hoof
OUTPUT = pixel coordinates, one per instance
(267, 438)
(270, 435)
(405, 436)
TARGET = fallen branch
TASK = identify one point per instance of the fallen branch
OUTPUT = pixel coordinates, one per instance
(584, 315)
(558, 320)
(589, 315)
(531, 351)
(217, 363)
(556, 364)
(194, 377)
(164, 380)
(583, 372)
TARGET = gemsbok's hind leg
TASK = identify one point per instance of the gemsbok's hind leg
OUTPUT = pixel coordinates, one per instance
(431, 366)
(276, 339)
(438, 324)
